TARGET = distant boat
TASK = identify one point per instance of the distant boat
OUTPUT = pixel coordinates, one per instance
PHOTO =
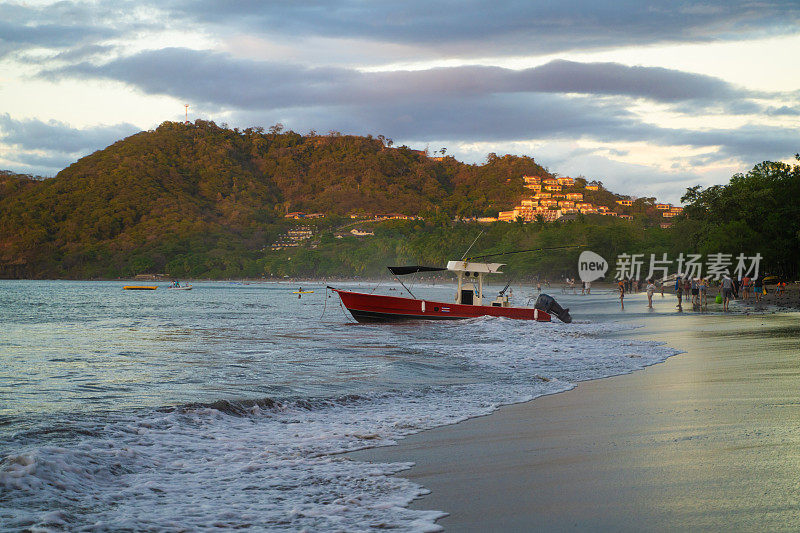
(184, 288)
(140, 287)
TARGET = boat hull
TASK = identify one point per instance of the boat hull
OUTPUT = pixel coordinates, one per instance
(378, 308)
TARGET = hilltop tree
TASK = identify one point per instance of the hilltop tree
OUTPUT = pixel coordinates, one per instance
(750, 214)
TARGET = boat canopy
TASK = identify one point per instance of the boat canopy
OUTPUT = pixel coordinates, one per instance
(467, 266)
(403, 270)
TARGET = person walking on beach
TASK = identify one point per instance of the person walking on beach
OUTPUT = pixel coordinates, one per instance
(757, 289)
(621, 285)
(746, 288)
(651, 288)
(661, 286)
(702, 287)
(727, 292)
(568, 284)
(679, 292)
(695, 293)
(588, 287)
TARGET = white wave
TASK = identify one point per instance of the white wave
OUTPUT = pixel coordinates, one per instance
(199, 468)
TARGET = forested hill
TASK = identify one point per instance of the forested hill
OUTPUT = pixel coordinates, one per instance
(185, 189)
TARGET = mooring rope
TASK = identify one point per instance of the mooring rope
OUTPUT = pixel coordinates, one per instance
(324, 307)
(341, 306)
(376, 286)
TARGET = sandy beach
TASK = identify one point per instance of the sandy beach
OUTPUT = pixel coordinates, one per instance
(708, 440)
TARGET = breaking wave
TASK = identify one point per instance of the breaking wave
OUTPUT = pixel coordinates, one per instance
(274, 463)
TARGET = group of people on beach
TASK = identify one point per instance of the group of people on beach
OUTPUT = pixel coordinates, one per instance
(539, 284)
(698, 288)
(626, 285)
(569, 285)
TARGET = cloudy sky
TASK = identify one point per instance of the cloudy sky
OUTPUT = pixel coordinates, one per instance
(649, 97)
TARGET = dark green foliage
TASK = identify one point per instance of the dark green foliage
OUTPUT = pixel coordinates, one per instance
(755, 212)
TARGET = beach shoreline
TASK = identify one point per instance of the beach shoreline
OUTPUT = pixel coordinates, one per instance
(702, 441)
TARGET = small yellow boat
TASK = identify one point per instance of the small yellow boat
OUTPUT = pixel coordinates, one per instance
(303, 292)
(140, 287)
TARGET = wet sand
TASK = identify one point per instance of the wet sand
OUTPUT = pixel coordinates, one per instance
(708, 440)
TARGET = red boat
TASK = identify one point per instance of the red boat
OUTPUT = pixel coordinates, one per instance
(469, 299)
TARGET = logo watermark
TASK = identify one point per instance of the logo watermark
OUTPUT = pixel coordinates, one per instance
(592, 266)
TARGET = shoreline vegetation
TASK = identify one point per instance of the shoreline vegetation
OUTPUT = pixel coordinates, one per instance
(203, 201)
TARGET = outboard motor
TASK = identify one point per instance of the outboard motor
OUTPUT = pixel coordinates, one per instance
(549, 305)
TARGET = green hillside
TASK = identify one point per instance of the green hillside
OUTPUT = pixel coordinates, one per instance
(199, 198)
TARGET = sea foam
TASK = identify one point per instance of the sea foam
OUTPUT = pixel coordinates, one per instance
(274, 463)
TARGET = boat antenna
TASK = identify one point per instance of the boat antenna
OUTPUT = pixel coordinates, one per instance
(471, 245)
(530, 250)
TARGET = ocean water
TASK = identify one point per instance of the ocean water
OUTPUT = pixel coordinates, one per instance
(227, 407)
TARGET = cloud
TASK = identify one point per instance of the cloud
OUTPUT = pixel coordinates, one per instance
(79, 53)
(506, 27)
(655, 83)
(50, 146)
(15, 38)
(750, 142)
(218, 78)
(74, 29)
(784, 111)
(474, 119)
(410, 30)
(23, 27)
(47, 164)
(558, 100)
(352, 31)
(467, 103)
